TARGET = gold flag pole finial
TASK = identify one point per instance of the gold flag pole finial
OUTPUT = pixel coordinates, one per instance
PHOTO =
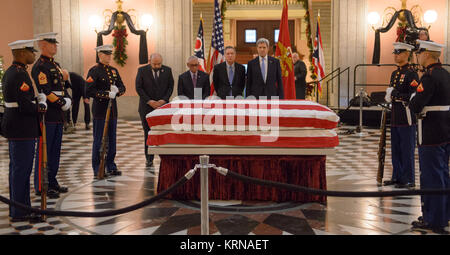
(404, 4)
(119, 5)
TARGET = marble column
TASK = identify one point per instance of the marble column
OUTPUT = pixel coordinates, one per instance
(349, 42)
(173, 33)
(62, 17)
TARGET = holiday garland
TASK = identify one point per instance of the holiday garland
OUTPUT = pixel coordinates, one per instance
(120, 42)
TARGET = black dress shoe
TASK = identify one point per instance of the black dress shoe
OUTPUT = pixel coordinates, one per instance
(405, 186)
(52, 194)
(87, 127)
(115, 173)
(32, 218)
(20, 219)
(62, 189)
(439, 230)
(390, 182)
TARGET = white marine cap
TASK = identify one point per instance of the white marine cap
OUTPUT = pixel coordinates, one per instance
(23, 44)
(107, 49)
(49, 37)
(430, 46)
(399, 47)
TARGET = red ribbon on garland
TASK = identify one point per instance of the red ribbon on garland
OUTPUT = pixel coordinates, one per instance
(120, 42)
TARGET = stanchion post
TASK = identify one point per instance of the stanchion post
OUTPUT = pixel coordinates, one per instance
(204, 196)
(359, 129)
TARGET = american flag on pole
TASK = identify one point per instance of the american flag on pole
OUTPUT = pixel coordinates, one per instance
(318, 58)
(216, 52)
(200, 46)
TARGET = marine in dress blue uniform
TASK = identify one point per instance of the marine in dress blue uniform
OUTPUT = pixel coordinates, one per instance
(403, 123)
(21, 125)
(432, 103)
(48, 77)
(103, 83)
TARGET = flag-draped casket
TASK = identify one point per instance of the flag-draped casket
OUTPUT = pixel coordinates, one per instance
(233, 132)
(283, 123)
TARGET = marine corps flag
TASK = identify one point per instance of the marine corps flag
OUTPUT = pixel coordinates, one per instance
(284, 54)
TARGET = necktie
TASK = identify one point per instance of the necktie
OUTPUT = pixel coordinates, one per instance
(194, 80)
(156, 76)
(230, 79)
(263, 69)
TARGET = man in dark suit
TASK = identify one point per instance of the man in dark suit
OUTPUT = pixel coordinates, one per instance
(154, 85)
(78, 92)
(194, 80)
(229, 76)
(300, 72)
(264, 73)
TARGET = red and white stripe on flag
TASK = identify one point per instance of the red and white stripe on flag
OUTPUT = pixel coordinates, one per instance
(216, 52)
(318, 58)
(298, 123)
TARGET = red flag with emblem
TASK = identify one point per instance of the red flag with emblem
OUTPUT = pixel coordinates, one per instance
(284, 54)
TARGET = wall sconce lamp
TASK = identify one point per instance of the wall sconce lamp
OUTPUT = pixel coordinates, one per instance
(146, 21)
(430, 17)
(95, 23)
(373, 18)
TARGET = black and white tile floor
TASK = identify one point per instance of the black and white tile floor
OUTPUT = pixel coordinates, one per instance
(352, 168)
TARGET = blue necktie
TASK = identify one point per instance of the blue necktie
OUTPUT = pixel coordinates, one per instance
(263, 69)
(230, 79)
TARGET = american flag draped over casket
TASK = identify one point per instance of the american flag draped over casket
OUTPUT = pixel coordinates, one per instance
(262, 123)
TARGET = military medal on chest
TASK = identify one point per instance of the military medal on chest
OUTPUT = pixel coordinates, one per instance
(402, 78)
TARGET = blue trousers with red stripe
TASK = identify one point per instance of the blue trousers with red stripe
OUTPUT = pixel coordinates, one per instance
(21, 154)
(434, 174)
(54, 140)
(98, 127)
(403, 144)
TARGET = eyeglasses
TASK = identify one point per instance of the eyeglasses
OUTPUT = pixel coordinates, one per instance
(193, 65)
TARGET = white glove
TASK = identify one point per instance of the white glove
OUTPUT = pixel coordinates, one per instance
(412, 95)
(114, 88)
(112, 95)
(388, 98)
(42, 98)
(67, 105)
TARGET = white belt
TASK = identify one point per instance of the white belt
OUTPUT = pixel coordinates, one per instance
(11, 105)
(435, 108)
(58, 93)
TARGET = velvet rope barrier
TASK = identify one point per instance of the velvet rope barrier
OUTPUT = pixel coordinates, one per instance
(108, 213)
(330, 193)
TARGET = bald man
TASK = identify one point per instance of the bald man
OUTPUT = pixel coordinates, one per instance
(154, 85)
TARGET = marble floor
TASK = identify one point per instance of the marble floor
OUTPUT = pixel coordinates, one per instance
(352, 168)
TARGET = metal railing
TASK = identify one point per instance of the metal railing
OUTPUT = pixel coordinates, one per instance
(336, 73)
(365, 84)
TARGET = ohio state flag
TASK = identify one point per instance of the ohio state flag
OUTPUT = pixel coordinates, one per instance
(199, 50)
